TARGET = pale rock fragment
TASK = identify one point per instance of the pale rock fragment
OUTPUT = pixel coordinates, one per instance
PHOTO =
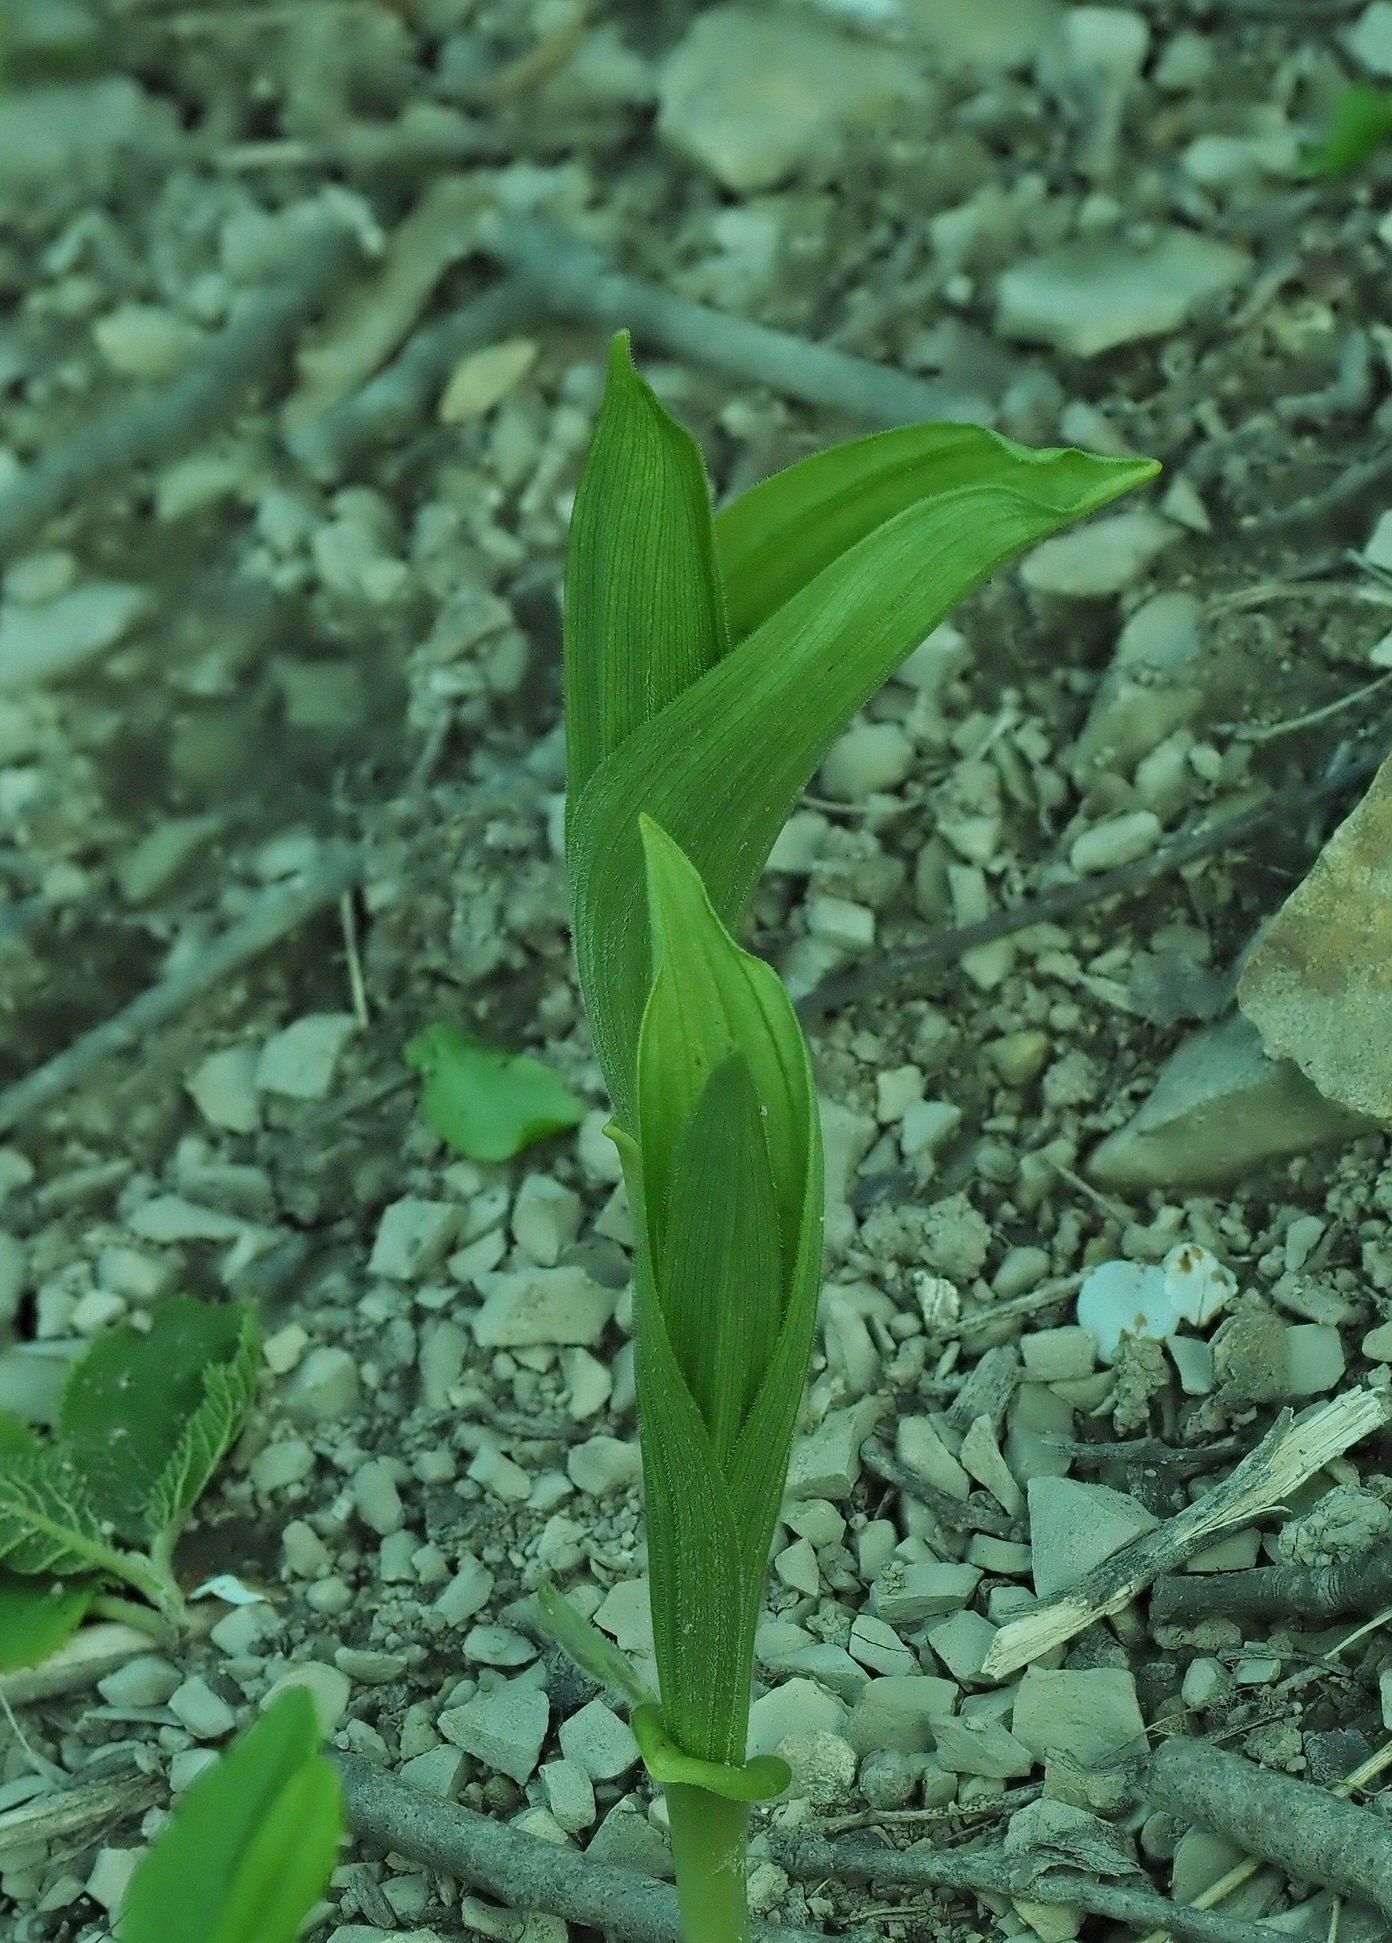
(838, 922)
(200, 1711)
(444, 1349)
(146, 1681)
(48, 643)
(896, 1091)
(110, 1877)
(185, 1768)
(626, 1614)
(796, 1566)
(1237, 1551)
(504, 1728)
(869, 757)
(825, 1462)
(288, 1461)
(284, 1350)
(467, 1592)
(324, 1386)
(1377, 1344)
(799, 843)
(926, 1125)
(1315, 983)
(545, 1218)
(1369, 39)
(967, 1746)
(817, 1520)
(900, 1712)
(604, 1464)
(327, 1687)
(1219, 1107)
(533, 1306)
(879, 1647)
(1091, 65)
(823, 1766)
(981, 1458)
(378, 1502)
(1087, 297)
(598, 1155)
(628, 1840)
(798, 1706)
(998, 1555)
(497, 1646)
(146, 341)
(1100, 558)
(496, 1472)
(1075, 1526)
(482, 379)
(1092, 1715)
(436, 1771)
(751, 97)
(921, 1450)
(299, 1061)
(962, 1642)
(1036, 1422)
(1114, 841)
(569, 1795)
(1314, 1359)
(1193, 1361)
(1059, 1355)
(990, 40)
(598, 1742)
(1022, 1268)
(588, 1382)
(413, 1237)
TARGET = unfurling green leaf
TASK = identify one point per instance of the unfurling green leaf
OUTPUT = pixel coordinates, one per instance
(37, 1615)
(485, 1104)
(726, 1276)
(757, 1780)
(587, 1646)
(249, 1848)
(147, 1414)
(47, 1521)
(833, 572)
(643, 614)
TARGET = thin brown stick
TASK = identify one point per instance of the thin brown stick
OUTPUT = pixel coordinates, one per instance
(264, 925)
(518, 1869)
(191, 407)
(945, 946)
(1310, 1833)
(991, 1872)
(973, 1514)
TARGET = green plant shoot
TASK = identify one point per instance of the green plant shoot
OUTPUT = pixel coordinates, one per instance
(709, 664)
(145, 1419)
(1360, 122)
(248, 1849)
(486, 1104)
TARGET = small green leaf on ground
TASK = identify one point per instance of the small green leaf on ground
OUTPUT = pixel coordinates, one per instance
(1361, 121)
(249, 1848)
(486, 1104)
(38, 1615)
(147, 1415)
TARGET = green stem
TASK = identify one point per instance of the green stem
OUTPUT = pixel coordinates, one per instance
(708, 1846)
(108, 1606)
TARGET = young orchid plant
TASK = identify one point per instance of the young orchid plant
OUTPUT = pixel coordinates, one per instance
(710, 662)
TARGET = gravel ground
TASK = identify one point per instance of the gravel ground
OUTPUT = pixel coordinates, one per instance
(252, 661)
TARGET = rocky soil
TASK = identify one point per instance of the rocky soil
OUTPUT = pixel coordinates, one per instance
(260, 670)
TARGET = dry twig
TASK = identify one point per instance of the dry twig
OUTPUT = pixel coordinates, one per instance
(191, 407)
(1271, 1591)
(518, 1869)
(1310, 1833)
(1288, 1454)
(990, 1871)
(976, 1513)
(276, 914)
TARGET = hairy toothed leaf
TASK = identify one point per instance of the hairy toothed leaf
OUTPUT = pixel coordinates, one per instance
(248, 1849)
(142, 1410)
(47, 1520)
(37, 1615)
(643, 614)
(721, 766)
(720, 1275)
(485, 1104)
(587, 1646)
(229, 1389)
(716, 1012)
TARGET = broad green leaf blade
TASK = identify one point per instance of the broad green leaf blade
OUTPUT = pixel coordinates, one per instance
(38, 1615)
(643, 613)
(229, 1389)
(287, 1862)
(703, 1626)
(488, 1105)
(722, 766)
(591, 1651)
(47, 1522)
(757, 1780)
(778, 536)
(720, 1275)
(710, 1000)
(130, 1402)
(233, 1840)
(15, 1435)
